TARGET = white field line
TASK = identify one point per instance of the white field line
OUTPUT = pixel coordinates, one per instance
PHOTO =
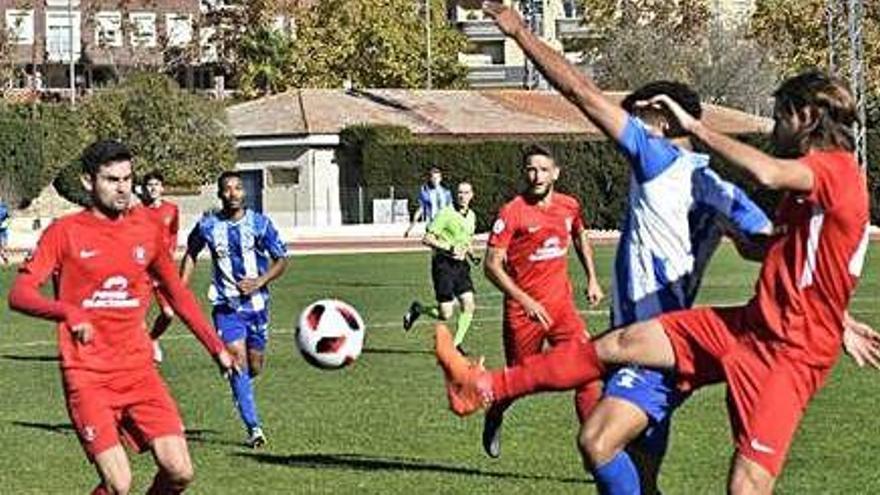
(274, 331)
(387, 324)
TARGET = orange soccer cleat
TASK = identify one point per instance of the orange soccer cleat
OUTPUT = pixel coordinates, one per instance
(468, 385)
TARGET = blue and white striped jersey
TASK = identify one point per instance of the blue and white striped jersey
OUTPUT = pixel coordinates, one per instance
(432, 200)
(678, 210)
(239, 249)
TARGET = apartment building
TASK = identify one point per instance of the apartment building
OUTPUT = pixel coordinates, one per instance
(101, 37)
(496, 62)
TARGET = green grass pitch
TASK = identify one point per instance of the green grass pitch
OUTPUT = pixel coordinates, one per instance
(382, 426)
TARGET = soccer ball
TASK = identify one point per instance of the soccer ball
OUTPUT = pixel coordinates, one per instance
(330, 334)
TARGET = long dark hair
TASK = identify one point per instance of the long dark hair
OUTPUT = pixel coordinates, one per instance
(825, 108)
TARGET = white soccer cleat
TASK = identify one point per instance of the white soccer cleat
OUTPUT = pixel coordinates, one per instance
(256, 438)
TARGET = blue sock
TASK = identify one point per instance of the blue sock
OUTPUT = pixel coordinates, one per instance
(243, 394)
(618, 476)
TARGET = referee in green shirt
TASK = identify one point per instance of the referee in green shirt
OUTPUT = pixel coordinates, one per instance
(451, 236)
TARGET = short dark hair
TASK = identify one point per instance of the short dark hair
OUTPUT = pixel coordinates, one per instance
(680, 92)
(535, 150)
(229, 174)
(101, 153)
(153, 175)
(434, 170)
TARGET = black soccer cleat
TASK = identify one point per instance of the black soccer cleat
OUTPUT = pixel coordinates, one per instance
(412, 314)
(492, 422)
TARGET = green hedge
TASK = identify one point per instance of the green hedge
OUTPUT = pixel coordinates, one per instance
(593, 171)
(21, 159)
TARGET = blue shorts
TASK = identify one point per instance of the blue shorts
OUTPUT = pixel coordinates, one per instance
(250, 326)
(652, 391)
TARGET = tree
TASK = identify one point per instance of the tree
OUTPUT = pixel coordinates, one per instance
(643, 40)
(180, 134)
(370, 43)
(795, 33)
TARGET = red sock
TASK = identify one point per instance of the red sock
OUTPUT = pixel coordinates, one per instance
(586, 398)
(100, 490)
(564, 367)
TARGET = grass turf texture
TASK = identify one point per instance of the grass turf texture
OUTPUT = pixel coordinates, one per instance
(381, 426)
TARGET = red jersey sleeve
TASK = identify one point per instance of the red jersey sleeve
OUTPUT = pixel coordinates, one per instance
(822, 165)
(503, 228)
(173, 229)
(46, 259)
(184, 302)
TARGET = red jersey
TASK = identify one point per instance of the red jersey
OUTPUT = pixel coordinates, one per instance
(100, 268)
(810, 272)
(167, 215)
(536, 239)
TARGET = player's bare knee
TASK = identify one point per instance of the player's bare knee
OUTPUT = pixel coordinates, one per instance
(120, 485)
(446, 311)
(180, 474)
(596, 445)
(748, 478)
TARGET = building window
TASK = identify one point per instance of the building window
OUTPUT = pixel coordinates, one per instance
(20, 26)
(209, 53)
(143, 29)
(572, 9)
(280, 176)
(179, 29)
(108, 29)
(61, 30)
(62, 3)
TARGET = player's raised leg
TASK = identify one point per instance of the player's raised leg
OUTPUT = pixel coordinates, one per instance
(562, 367)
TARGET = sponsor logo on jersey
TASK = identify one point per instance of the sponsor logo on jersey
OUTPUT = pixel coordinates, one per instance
(551, 249)
(87, 253)
(498, 226)
(112, 294)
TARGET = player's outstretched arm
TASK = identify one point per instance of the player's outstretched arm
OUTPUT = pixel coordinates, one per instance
(25, 296)
(769, 171)
(495, 272)
(576, 86)
(184, 303)
(584, 251)
(194, 244)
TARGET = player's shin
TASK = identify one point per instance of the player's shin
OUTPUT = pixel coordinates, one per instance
(618, 476)
(564, 367)
(464, 323)
(243, 393)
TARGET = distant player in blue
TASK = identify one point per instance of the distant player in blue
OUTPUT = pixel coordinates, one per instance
(4, 231)
(679, 209)
(433, 197)
(247, 254)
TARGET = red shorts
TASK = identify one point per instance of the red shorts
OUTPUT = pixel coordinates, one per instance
(524, 337)
(767, 390)
(136, 407)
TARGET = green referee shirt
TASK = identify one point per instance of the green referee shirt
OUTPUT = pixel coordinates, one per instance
(450, 226)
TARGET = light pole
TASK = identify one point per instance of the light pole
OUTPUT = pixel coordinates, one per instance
(70, 53)
(428, 81)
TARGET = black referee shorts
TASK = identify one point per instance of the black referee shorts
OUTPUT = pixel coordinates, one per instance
(451, 278)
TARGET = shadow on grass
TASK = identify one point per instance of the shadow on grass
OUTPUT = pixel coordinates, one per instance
(41, 359)
(195, 435)
(377, 350)
(360, 462)
(59, 428)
